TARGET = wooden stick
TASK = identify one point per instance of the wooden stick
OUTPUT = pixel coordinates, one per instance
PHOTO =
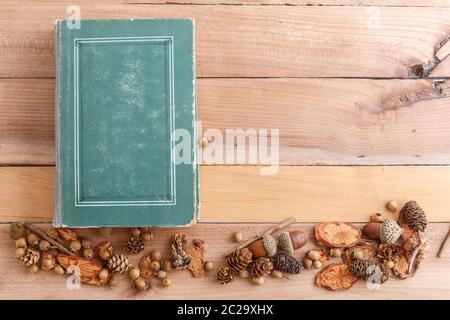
(53, 242)
(441, 248)
(271, 230)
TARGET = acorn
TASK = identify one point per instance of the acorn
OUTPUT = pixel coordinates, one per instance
(134, 273)
(141, 284)
(21, 243)
(209, 265)
(392, 205)
(307, 263)
(33, 268)
(387, 231)
(238, 237)
(166, 282)
(33, 239)
(88, 253)
(156, 255)
(19, 253)
(290, 241)
(44, 245)
(267, 246)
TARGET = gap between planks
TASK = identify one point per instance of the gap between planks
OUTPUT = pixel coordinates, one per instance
(242, 194)
(430, 282)
(320, 121)
(254, 41)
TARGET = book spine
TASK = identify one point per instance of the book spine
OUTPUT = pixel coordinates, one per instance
(57, 44)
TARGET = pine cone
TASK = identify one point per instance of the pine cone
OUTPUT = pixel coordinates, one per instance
(414, 216)
(261, 267)
(225, 275)
(181, 259)
(118, 263)
(287, 263)
(387, 251)
(239, 260)
(31, 257)
(135, 245)
(359, 268)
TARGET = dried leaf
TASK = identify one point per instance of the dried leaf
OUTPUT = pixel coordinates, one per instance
(367, 250)
(401, 266)
(144, 265)
(335, 276)
(89, 268)
(196, 265)
(104, 245)
(337, 234)
(67, 234)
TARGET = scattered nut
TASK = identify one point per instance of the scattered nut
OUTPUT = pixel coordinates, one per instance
(52, 233)
(335, 252)
(259, 281)
(377, 217)
(58, 269)
(86, 244)
(392, 205)
(166, 282)
(104, 274)
(105, 231)
(88, 253)
(104, 254)
(156, 255)
(277, 274)
(161, 274)
(19, 253)
(44, 245)
(135, 232)
(307, 263)
(314, 255)
(134, 273)
(141, 284)
(317, 264)
(166, 266)
(147, 236)
(33, 239)
(238, 237)
(75, 246)
(21, 243)
(209, 265)
(155, 266)
(33, 268)
(244, 274)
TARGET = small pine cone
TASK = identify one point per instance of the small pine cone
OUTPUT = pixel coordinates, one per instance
(287, 263)
(225, 275)
(387, 251)
(181, 259)
(239, 260)
(31, 257)
(135, 245)
(414, 216)
(359, 268)
(261, 267)
(118, 263)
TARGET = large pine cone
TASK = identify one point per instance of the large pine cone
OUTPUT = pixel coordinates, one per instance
(118, 263)
(31, 257)
(261, 267)
(414, 216)
(287, 263)
(225, 275)
(181, 259)
(239, 260)
(359, 268)
(135, 245)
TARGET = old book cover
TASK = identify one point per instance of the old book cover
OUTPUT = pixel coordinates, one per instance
(126, 123)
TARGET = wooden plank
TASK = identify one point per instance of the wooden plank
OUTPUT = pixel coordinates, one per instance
(430, 282)
(253, 41)
(320, 121)
(399, 3)
(242, 194)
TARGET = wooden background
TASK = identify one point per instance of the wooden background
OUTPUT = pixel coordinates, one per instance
(334, 76)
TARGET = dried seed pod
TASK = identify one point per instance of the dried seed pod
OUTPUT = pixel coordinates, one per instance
(86, 244)
(390, 231)
(58, 269)
(237, 237)
(317, 264)
(48, 261)
(118, 263)
(261, 267)
(391, 205)
(155, 266)
(21, 243)
(134, 273)
(146, 269)
(156, 255)
(336, 252)
(16, 230)
(414, 216)
(31, 257)
(377, 217)
(67, 234)
(88, 253)
(290, 241)
(33, 239)
(286, 263)
(161, 274)
(141, 284)
(104, 250)
(225, 275)
(337, 234)
(277, 274)
(19, 253)
(166, 266)
(166, 282)
(307, 263)
(52, 233)
(135, 245)
(209, 265)
(259, 281)
(135, 232)
(147, 236)
(239, 260)
(44, 245)
(33, 268)
(75, 246)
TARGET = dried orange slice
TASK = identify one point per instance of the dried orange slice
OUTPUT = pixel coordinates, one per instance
(336, 277)
(337, 234)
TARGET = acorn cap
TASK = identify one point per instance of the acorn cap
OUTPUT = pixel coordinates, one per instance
(270, 244)
(285, 243)
(390, 231)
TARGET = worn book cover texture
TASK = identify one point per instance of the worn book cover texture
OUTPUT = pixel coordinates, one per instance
(125, 103)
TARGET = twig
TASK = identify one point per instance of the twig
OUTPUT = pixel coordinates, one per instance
(441, 248)
(53, 242)
(271, 230)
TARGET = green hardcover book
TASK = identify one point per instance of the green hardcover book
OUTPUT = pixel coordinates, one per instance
(125, 98)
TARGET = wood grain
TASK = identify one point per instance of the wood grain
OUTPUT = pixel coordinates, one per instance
(430, 282)
(404, 3)
(253, 41)
(242, 194)
(320, 121)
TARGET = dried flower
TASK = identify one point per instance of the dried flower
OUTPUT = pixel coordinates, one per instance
(337, 234)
